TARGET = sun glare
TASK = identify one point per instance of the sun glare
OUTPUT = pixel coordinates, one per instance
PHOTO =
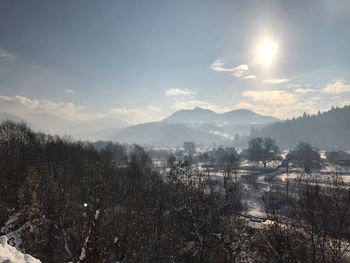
(266, 52)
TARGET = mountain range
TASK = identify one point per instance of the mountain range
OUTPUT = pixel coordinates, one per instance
(327, 130)
(200, 115)
(202, 126)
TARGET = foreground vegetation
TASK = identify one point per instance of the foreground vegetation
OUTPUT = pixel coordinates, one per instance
(67, 201)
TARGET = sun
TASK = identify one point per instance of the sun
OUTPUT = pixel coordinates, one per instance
(266, 52)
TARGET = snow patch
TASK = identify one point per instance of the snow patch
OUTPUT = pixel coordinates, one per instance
(10, 223)
(97, 213)
(10, 254)
(14, 235)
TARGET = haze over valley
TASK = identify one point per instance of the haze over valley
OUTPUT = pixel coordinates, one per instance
(174, 131)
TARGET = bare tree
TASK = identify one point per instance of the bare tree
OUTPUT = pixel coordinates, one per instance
(305, 156)
(263, 150)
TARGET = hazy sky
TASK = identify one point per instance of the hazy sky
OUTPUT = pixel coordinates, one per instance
(99, 64)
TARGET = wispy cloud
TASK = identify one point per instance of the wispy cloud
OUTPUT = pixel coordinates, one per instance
(136, 115)
(285, 103)
(177, 92)
(69, 91)
(250, 77)
(60, 115)
(67, 110)
(278, 103)
(303, 90)
(219, 66)
(273, 97)
(154, 108)
(275, 81)
(6, 55)
(337, 87)
(240, 70)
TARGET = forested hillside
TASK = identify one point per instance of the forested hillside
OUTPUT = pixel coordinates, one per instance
(328, 130)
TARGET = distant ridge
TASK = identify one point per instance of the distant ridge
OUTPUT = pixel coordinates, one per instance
(202, 126)
(166, 134)
(327, 130)
(200, 115)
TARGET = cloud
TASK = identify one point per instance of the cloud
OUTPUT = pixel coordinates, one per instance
(65, 117)
(66, 110)
(250, 77)
(176, 92)
(136, 115)
(179, 105)
(289, 103)
(276, 81)
(219, 66)
(240, 70)
(69, 91)
(296, 99)
(5, 55)
(337, 87)
(71, 112)
(303, 90)
(154, 108)
(282, 111)
(294, 85)
(316, 98)
(273, 97)
(278, 103)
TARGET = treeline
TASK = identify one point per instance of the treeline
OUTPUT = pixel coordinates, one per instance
(328, 130)
(65, 201)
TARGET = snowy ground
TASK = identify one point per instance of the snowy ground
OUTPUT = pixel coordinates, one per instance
(255, 180)
(9, 254)
(255, 190)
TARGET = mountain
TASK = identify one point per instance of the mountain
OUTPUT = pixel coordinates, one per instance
(201, 126)
(196, 115)
(199, 115)
(164, 134)
(246, 117)
(327, 130)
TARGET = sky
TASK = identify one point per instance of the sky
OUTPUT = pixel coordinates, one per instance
(73, 66)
